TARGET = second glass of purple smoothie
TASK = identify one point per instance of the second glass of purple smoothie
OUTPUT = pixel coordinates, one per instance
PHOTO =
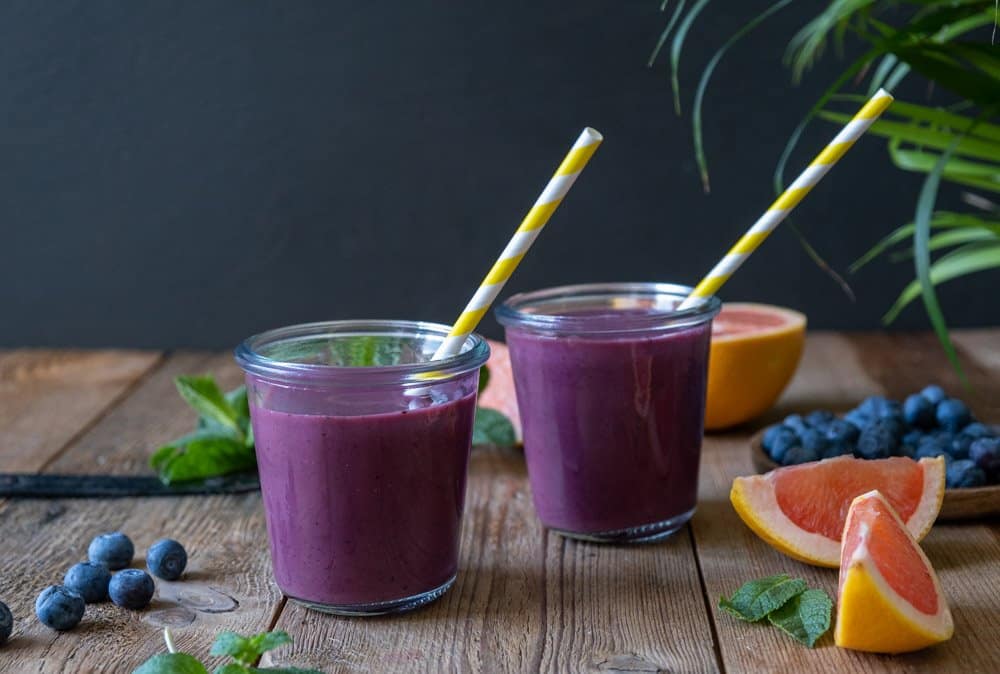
(611, 382)
(362, 447)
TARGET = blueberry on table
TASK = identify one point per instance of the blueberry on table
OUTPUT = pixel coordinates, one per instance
(913, 438)
(986, 453)
(933, 394)
(918, 411)
(842, 431)
(878, 441)
(931, 450)
(797, 455)
(814, 440)
(858, 419)
(90, 580)
(166, 559)
(781, 441)
(114, 550)
(959, 446)
(837, 448)
(873, 405)
(59, 607)
(131, 588)
(795, 422)
(964, 473)
(819, 418)
(909, 451)
(6, 623)
(771, 433)
(953, 415)
(977, 430)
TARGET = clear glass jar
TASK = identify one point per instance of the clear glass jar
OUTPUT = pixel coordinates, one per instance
(611, 382)
(362, 447)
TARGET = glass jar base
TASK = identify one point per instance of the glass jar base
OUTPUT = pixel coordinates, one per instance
(644, 533)
(380, 607)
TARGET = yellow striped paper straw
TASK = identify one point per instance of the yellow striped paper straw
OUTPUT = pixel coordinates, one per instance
(789, 199)
(553, 194)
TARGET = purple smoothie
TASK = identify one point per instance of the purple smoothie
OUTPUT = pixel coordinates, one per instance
(364, 509)
(612, 405)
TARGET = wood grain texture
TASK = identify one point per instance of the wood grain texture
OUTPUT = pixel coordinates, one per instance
(729, 553)
(228, 585)
(48, 397)
(527, 601)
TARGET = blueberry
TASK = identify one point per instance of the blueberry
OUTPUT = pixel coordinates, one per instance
(891, 410)
(6, 623)
(842, 431)
(964, 473)
(782, 442)
(977, 430)
(895, 425)
(797, 455)
(986, 453)
(131, 588)
(909, 451)
(771, 433)
(795, 422)
(953, 415)
(60, 607)
(872, 405)
(166, 559)
(858, 419)
(819, 418)
(932, 451)
(114, 550)
(912, 438)
(918, 411)
(959, 447)
(933, 394)
(877, 441)
(90, 580)
(837, 448)
(814, 440)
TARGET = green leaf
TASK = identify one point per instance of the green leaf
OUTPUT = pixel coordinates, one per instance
(666, 32)
(755, 599)
(171, 663)
(237, 399)
(807, 45)
(942, 219)
(937, 63)
(232, 668)
(366, 351)
(203, 457)
(268, 641)
(706, 75)
(484, 378)
(239, 648)
(203, 394)
(675, 50)
(805, 617)
(492, 427)
(955, 237)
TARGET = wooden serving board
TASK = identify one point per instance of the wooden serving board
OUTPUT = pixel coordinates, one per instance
(959, 504)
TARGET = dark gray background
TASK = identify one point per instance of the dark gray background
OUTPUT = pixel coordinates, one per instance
(178, 174)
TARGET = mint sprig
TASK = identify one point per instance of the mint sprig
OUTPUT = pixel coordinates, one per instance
(222, 442)
(787, 603)
(245, 652)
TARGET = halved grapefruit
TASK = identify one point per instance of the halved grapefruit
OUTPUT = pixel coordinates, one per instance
(801, 510)
(499, 392)
(755, 351)
(890, 600)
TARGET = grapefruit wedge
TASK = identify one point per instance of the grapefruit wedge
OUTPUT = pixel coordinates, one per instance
(755, 351)
(801, 510)
(890, 600)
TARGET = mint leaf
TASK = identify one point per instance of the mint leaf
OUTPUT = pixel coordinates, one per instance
(805, 617)
(756, 599)
(366, 351)
(203, 394)
(484, 377)
(492, 427)
(203, 455)
(171, 663)
(268, 641)
(239, 648)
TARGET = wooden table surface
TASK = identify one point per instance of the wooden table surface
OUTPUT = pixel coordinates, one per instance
(525, 600)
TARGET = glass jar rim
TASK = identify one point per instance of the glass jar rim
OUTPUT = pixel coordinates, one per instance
(475, 352)
(513, 311)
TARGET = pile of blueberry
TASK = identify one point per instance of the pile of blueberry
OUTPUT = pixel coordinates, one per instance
(926, 424)
(61, 607)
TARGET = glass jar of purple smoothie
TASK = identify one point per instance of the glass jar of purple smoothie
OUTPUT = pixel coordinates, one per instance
(610, 382)
(362, 447)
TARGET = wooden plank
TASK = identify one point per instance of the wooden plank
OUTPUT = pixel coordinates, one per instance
(729, 553)
(47, 397)
(526, 601)
(228, 585)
